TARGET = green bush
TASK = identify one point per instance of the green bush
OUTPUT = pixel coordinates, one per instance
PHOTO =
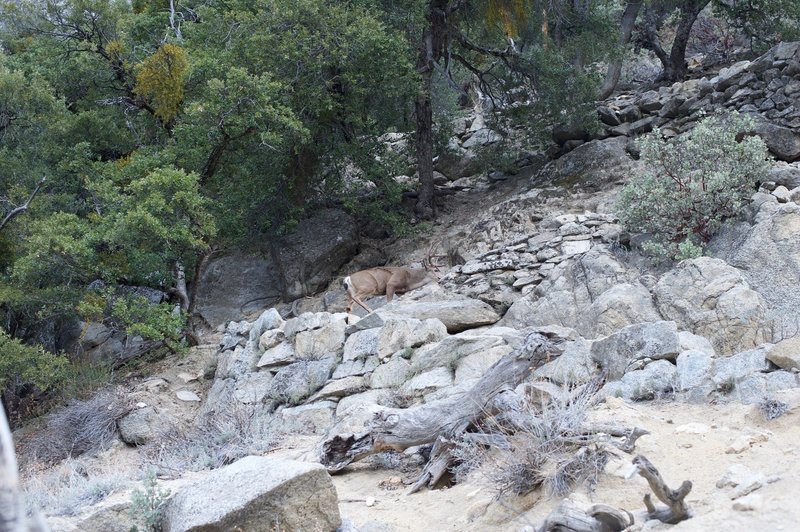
(692, 184)
(29, 364)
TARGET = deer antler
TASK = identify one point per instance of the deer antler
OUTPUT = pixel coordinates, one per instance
(428, 262)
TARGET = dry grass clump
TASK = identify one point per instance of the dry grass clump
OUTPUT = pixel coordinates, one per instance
(546, 447)
(81, 426)
(218, 438)
(73, 484)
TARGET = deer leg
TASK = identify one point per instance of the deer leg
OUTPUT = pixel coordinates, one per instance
(390, 291)
(355, 298)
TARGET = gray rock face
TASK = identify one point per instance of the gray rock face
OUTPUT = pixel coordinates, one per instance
(653, 341)
(573, 366)
(237, 362)
(782, 142)
(259, 495)
(768, 255)
(656, 378)
(280, 355)
(786, 354)
(452, 349)
(391, 374)
(361, 344)
(620, 305)
(711, 298)
(397, 334)
(295, 382)
(590, 166)
(236, 285)
(310, 257)
(694, 370)
(323, 342)
(137, 427)
(252, 388)
(568, 292)
(270, 319)
(728, 370)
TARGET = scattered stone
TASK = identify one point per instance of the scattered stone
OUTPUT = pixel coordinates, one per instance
(188, 396)
(786, 353)
(750, 503)
(136, 428)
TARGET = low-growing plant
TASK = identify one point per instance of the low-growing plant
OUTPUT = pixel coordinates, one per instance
(772, 409)
(218, 438)
(693, 184)
(548, 449)
(148, 505)
(68, 487)
(82, 426)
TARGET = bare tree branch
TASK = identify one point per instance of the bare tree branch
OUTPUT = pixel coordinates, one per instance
(24, 207)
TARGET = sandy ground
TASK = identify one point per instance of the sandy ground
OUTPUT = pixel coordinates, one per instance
(695, 442)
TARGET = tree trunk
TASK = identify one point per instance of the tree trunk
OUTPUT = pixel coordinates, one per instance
(674, 63)
(434, 42)
(676, 70)
(632, 9)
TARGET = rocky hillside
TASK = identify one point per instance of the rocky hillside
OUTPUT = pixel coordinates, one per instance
(703, 355)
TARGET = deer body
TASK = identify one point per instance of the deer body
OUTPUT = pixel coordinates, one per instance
(389, 280)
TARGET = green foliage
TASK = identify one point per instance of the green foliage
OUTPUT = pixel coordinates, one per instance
(764, 22)
(692, 184)
(148, 505)
(160, 78)
(151, 322)
(29, 364)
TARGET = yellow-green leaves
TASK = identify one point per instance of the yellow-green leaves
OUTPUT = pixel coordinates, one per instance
(160, 79)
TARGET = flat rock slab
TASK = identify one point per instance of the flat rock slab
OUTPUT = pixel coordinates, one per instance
(257, 494)
(457, 315)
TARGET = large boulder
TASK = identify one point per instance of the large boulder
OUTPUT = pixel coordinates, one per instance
(236, 285)
(257, 494)
(590, 166)
(768, 256)
(617, 307)
(570, 290)
(711, 298)
(781, 141)
(297, 381)
(640, 342)
(308, 258)
(137, 427)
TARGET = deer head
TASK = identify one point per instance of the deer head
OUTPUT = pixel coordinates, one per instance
(389, 280)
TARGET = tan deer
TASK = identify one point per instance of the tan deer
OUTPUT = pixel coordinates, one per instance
(389, 280)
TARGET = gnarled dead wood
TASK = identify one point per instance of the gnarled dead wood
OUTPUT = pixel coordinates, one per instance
(568, 517)
(676, 510)
(398, 429)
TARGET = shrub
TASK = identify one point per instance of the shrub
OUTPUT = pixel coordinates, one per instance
(548, 449)
(148, 506)
(692, 184)
(82, 426)
(29, 364)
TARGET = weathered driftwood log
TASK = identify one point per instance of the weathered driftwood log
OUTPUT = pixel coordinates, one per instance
(398, 429)
(567, 517)
(676, 510)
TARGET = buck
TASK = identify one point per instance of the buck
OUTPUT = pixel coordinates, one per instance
(388, 280)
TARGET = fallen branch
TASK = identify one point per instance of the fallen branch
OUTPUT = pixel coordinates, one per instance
(399, 429)
(676, 510)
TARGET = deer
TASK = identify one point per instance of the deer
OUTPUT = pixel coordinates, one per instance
(388, 280)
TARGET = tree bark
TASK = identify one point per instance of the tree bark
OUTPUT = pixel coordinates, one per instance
(674, 63)
(632, 9)
(434, 42)
(398, 429)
